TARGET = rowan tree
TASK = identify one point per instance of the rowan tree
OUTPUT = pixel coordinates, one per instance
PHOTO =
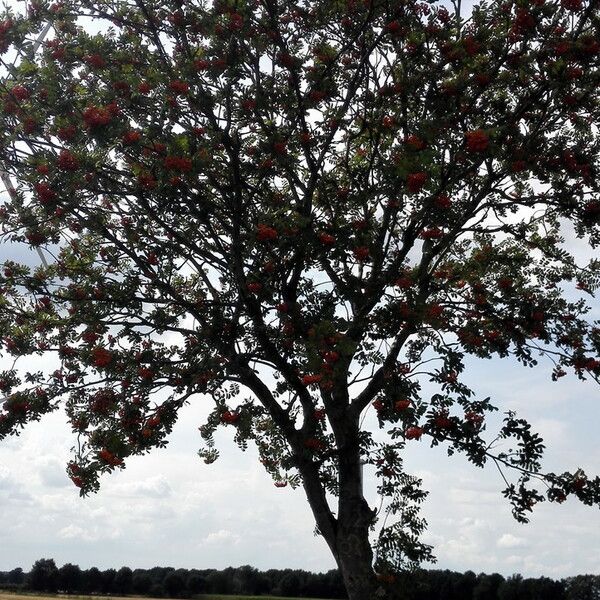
(302, 211)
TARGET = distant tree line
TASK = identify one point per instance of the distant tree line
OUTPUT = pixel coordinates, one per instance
(167, 582)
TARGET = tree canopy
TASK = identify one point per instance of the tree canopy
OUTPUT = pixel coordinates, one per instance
(301, 210)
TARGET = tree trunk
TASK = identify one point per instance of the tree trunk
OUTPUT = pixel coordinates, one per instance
(355, 556)
(347, 534)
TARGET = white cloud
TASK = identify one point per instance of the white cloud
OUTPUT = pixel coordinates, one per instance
(6, 481)
(52, 472)
(88, 534)
(508, 540)
(223, 536)
(152, 487)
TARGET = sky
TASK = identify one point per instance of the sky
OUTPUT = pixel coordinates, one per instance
(169, 508)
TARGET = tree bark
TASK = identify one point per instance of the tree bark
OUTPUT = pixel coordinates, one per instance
(355, 555)
(347, 533)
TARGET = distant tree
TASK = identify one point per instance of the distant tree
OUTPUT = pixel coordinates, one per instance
(196, 584)
(487, 586)
(69, 578)
(248, 580)
(463, 585)
(157, 590)
(123, 581)
(510, 588)
(542, 588)
(334, 584)
(92, 580)
(16, 576)
(158, 574)
(43, 576)
(219, 582)
(142, 582)
(174, 584)
(107, 585)
(582, 587)
(289, 585)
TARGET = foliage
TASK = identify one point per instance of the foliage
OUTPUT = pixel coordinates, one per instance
(318, 204)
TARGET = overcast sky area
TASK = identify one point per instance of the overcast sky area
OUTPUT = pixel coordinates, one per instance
(171, 509)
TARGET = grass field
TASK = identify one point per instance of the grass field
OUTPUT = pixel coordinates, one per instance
(9, 596)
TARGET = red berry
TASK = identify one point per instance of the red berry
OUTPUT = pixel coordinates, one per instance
(178, 163)
(108, 457)
(415, 142)
(280, 148)
(101, 357)
(414, 433)
(477, 140)
(442, 201)
(180, 88)
(254, 287)
(97, 116)
(310, 379)
(331, 356)
(416, 181)
(145, 373)
(44, 193)
(20, 92)
(230, 417)
(394, 27)
(95, 61)
(474, 418)
(265, 233)
(378, 405)
(131, 137)
(361, 253)
(433, 233)
(388, 122)
(67, 161)
(314, 444)
(326, 239)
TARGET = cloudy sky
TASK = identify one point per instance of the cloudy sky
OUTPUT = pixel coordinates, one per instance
(170, 508)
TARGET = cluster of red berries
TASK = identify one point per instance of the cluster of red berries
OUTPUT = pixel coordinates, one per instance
(265, 233)
(97, 116)
(45, 193)
(101, 357)
(178, 163)
(95, 61)
(230, 417)
(109, 458)
(131, 137)
(416, 181)
(477, 140)
(67, 161)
